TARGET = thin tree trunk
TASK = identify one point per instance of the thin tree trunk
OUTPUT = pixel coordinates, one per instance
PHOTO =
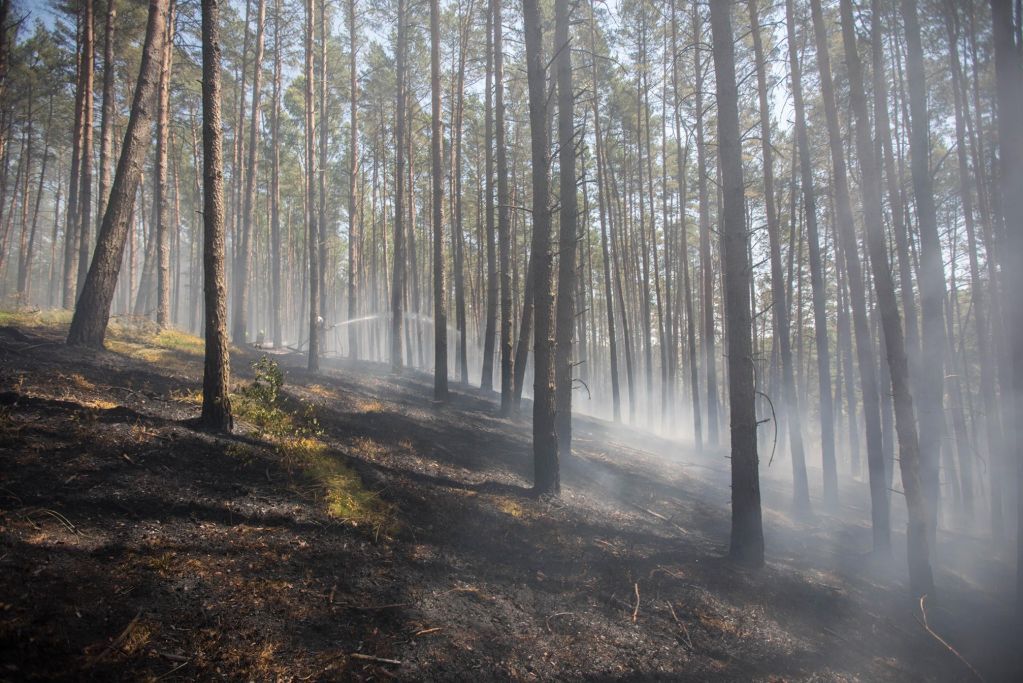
(106, 149)
(880, 513)
(161, 208)
(503, 217)
(920, 576)
(398, 279)
(440, 314)
(930, 403)
(354, 219)
(779, 308)
(275, 188)
(706, 268)
(616, 399)
(312, 212)
(568, 230)
(84, 216)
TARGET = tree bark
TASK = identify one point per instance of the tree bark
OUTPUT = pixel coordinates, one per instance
(706, 267)
(920, 577)
(161, 203)
(354, 220)
(312, 210)
(880, 513)
(246, 227)
(89, 323)
(546, 475)
(568, 229)
(779, 309)
(398, 265)
(216, 403)
(930, 411)
(440, 314)
(106, 149)
(747, 538)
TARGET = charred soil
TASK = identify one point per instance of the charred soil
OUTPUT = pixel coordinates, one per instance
(381, 535)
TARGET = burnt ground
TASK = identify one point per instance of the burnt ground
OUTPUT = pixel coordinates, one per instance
(133, 546)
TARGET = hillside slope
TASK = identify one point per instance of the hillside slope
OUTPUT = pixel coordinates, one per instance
(353, 529)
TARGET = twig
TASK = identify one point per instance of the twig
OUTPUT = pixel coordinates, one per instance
(117, 641)
(173, 657)
(426, 631)
(59, 517)
(657, 515)
(635, 611)
(685, 630)
(923, 611)
(371, 658)
(375, 607)
(556, 614)
(182, 665)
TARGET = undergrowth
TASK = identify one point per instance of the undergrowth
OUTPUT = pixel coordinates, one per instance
(295, 434)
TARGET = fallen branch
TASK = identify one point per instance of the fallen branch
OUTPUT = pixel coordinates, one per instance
(117, 641)
(370, 608)
(923, 612)
(371, 658)
(556, 614)
(426, 631)
(173, 657)
(635, 611)
(685, 629)
(657, 515)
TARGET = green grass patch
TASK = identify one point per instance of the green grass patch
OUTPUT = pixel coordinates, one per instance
(50, 319)
(295, 435)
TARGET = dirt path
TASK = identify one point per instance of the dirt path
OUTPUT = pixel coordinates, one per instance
(132, 546)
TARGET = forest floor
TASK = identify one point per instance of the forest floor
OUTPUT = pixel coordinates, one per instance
(355, 529)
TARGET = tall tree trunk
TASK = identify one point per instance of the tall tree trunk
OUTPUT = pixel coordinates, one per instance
(706, 268)
(161, 203)
(457, 227)
(880, 513)
(817, 286)
(780, 309)
(106, 149)
(612, 337)
(493, 276)
(246, 227)
(503, 217)
(546, 474)
(930, 410)
(312, 210)
(398, 265)
(747, 540)
(71, 226)
(687, 293)
(275, 187)
(920, 576)
(440, 313)
(1009, 85)
(216, 404)
(84, 216)
(354, 219)
(568, 230)
(89, 323)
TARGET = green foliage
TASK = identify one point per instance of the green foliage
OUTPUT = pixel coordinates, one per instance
(266, 387)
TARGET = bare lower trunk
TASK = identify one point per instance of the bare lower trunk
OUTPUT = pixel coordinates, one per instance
(216, 404)
(747, 539)
(546, 475)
